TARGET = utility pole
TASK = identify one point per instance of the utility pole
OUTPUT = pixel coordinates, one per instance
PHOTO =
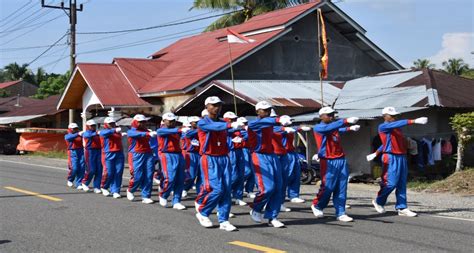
(72, 32)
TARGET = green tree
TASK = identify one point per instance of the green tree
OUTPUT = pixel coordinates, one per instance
(455, 66)
(423, 64)
(468, 74)
(463, 124)
(14, 71)
(40, 76)
(244, 9)
(4, 93)
(54, 85)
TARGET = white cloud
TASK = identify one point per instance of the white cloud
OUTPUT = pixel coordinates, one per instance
(455, 45)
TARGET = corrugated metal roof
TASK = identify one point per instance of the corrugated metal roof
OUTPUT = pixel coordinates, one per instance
(285, 92)
(366, 114)
(17, 119)
(7, 84)
(46, 106)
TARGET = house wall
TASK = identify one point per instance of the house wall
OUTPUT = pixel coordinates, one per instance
(294, 57)
(23, 88)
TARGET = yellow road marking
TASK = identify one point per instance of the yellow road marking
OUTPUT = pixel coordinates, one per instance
(39, 195)
(256, 247)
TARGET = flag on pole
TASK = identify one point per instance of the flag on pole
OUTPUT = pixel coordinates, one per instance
(234, 37)
(324, 52)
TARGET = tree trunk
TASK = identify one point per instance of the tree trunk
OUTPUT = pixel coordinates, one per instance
(460, 152)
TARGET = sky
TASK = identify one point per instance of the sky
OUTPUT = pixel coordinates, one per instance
(404, 29)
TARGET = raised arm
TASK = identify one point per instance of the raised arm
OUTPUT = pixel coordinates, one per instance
(263, 123)
(388, 126)
(213, 126)
(71, 137)
(133, 133)
(327, 128)
(167, 131)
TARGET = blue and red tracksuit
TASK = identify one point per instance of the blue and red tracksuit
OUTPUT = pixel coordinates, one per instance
(266, 166)
(156, 158)
(294, 167)
(334, 169)
(172, 163)
(394, 162)
(215, 168)
(192, 158)
(75, 158)
(249, 174)
(279, 148)
(93, 157)
(112, 159)
(237, 162)
(140, 160)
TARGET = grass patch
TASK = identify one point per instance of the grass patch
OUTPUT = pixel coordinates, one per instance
(50, 154)
(420, 185)
(460, 182)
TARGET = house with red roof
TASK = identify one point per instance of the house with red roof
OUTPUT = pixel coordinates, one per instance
(285, 49)
(18, 88)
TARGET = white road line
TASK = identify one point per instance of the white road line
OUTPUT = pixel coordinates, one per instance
(450, 217)
(44, 166)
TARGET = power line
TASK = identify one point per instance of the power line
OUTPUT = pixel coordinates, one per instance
(62, 37)
(39, 14)
(24, 27)
(19, 15)
(14, 12)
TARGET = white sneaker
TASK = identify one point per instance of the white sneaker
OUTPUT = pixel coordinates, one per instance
(344, 218)
(147, 201)
(283, 208)
(116, 195)
(227, 226)
(240, 202)
(204, 221)
(194, 187)
(179, 206)
(251, 195)
(69, 184)
(196, 206)
(184, 195)
(163, 202)
(256, 216)
(156, 181)
(297, 200)
(130, 195)
(85, 188)
(105, 192)
(97, 191)
(348, 206)
(378, 207)
(276, 223)
(407, 212)
(79, 187)
(317, 213)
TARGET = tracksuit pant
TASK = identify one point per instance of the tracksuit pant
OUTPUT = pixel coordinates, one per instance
(237, 161)
(334, 176)
(216, 187)
(93, 159)
(269, 181)
(285, 174)
(172, 167)
(76, 166)
(193, 171)
(113, 163)
(394, 176)
(249, 174)
(294, 178)
(141, 172)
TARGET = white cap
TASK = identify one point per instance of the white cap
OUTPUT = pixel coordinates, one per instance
(273, 113)
(212, 100)
(263, 105)
(229, 115)
(194, 118)
(91, 122)
(169, 116)
(139, 117)
(326, 110)
(109, 120)
(204, 113)
(72, 125)
(390, 111)
(242, 119)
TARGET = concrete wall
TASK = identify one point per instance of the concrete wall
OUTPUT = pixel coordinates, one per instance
(295, 57)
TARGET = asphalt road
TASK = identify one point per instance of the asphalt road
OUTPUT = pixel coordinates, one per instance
(86, 222)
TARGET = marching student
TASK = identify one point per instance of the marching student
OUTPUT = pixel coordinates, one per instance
(172, 161)
(192, 157)
(215, 167)
(267, 169)
(249, 175)
(394, 161)
(236, 156)
(112, 158)
(93, 158)
(140, 159)
(334, 169)
(75, 156)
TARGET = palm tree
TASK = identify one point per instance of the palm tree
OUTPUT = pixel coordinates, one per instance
(14, 71)
(40, 76)
(455, 66)
(242, 10)
(423, 64)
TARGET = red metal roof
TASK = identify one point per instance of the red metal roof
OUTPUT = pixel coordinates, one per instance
(7, 84)
(110, 85)
(140, 71)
